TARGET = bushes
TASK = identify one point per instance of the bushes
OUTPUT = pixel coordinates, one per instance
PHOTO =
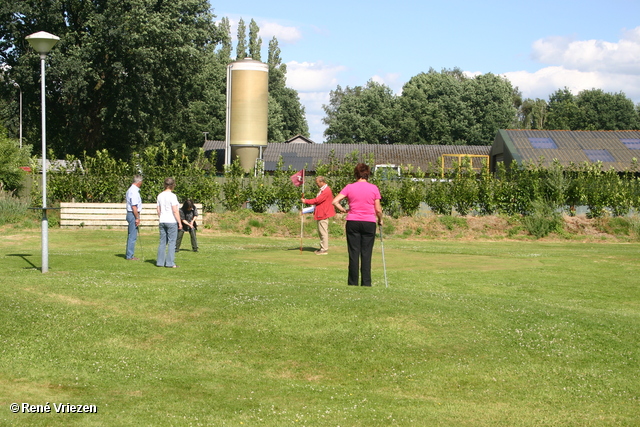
(12, 157)
(464, 188)
(439, 196)
(517, 190)
(542, 220)
(412, 192)
(103, 179)
(260, 194)
(286, 194)
(12, 209)
(233, 188)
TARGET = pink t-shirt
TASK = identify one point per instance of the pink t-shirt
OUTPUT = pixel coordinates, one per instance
(361, 196)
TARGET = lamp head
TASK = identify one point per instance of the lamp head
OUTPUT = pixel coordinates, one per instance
(42, 42)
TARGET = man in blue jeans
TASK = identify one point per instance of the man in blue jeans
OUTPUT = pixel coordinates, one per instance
(134, 207)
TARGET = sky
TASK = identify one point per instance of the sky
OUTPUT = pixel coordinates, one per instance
(540, 46)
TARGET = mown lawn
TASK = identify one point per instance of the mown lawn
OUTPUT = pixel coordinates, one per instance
(250, 331)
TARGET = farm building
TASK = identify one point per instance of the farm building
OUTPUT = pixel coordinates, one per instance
(615, 149)
(301, 152)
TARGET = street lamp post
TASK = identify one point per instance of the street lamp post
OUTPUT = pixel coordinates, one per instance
(20, 90)
(42, 43)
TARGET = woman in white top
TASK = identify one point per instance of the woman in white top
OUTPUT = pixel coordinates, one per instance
(169, 225)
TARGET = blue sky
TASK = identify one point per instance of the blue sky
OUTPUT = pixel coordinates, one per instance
(540, 46)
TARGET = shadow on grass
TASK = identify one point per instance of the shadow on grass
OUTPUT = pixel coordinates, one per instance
(24, 257)
(140, 258)
(306, 249)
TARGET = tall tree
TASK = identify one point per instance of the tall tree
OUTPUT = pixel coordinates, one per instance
(286, 113)
(591, 110)
(606, 111)
(224, 31)
(449, 108)
(241, 47)
(277, 70)
(361, 115)
(433, 109)
(275, 127)
(255, 42)
(562, 110)
(490, 100)
(122, 74)
(532, 114)
(293, 113)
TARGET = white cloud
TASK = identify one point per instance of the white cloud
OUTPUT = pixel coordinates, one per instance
(312, 76)
(268, 29)
(632, 35)
(314, 99)
(547, 80)
(622, 57)
(392, 80)
(582, 65)
(550, 50)
(313, 81)
(313, 102)
(284, 34)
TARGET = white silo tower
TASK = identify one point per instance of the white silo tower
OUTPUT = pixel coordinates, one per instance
(247, 111)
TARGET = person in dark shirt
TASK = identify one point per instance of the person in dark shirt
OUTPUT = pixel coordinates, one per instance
(188, 216)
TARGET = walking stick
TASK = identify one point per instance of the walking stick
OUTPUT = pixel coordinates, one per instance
(301, 228)
(384, 264)
(139, 240)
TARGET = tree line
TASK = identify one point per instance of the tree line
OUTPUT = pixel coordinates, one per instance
(450, 108)
(132, 74)
(588, 110)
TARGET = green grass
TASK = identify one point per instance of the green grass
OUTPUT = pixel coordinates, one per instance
(251, 331)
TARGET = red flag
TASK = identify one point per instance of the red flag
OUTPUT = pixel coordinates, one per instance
(298, 178)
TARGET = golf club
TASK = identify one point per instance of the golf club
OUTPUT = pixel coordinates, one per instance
(384, 264)
(139, 240)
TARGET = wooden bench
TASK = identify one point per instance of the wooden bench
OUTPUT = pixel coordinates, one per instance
(113, 215)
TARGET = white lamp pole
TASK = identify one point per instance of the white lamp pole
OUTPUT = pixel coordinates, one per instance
(43, 42)
(20, 89)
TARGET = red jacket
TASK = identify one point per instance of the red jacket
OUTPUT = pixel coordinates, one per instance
(324, 207)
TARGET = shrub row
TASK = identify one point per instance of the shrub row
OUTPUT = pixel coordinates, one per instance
(522, 189)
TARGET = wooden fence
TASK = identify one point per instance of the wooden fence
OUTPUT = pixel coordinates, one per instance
(106, 215)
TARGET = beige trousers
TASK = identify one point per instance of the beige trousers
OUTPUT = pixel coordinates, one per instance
(323, 232)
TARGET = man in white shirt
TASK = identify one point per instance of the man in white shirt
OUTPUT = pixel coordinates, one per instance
(134, 207)
(170, 223)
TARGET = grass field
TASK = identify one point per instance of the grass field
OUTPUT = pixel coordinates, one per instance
(250, 331)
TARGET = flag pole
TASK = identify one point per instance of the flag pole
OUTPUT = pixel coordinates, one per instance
(301, 213)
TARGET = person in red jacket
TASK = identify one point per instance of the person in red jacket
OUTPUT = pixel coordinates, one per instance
(323, 211)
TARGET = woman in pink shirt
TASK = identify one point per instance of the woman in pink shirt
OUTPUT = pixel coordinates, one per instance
(364, 210)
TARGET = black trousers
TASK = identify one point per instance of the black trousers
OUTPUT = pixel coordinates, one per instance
(361, 235)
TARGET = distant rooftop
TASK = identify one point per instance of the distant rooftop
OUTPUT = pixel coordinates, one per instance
(309, 155)
(615, 149)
